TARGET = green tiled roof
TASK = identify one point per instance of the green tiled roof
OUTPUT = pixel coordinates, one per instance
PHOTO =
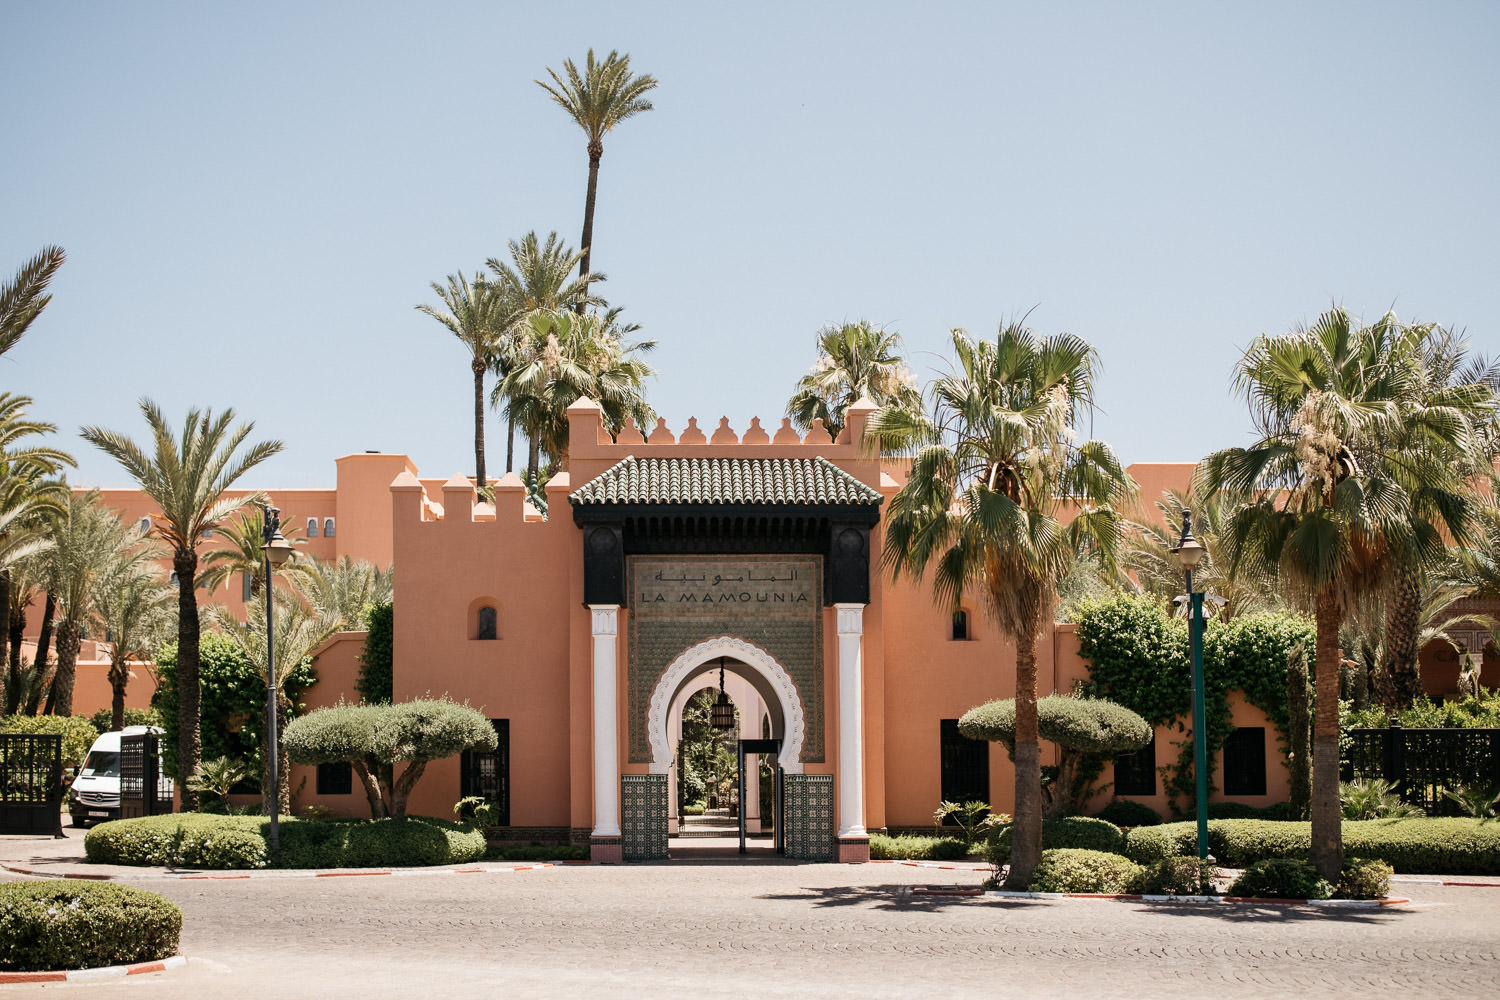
(725, 481)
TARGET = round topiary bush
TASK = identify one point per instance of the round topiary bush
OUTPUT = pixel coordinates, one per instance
(1123, 812)
(68, 924)
(1281, 878)
(1184, 876)
(1074, 870)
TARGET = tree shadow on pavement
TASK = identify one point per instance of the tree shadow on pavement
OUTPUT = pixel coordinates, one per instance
(893, 897)
(1271, 913)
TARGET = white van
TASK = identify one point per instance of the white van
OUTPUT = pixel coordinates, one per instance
(95, 795)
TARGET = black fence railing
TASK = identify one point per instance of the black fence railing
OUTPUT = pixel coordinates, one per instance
(1422, 763)
(31, 783)
(143, 789)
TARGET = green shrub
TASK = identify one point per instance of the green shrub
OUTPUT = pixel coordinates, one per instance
(1364, 878)
(101, 719)
(180, 840)
(69, 924)
(1180, 876)
(1374, 799)
(1281, 878)
(1080, 832)
(78, 734)
(1075, 870)
(1123, 812)
(376, 659)
(476, 810)
(1149, 844)
(910, 848)
(537, 852)
(1232, 810)
(696, 809)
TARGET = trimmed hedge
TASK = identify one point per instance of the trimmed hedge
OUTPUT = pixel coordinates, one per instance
(1124, 812)
(1074, 870)
(1281, 878)
(200, 840)
(1064, 832)
(1422, 845)
(68, 924)
(1184, 876)
(911, 848)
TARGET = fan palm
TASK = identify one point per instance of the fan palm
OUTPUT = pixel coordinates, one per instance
(1149, 556)
(299, 631)
(598, 99)
(1318, 504)
(562, 358)
(345, 590)
(133, 605)
(242, 552)
(472, 312)
(1000, 498)
(23, 298)
(187, 477)
(854, 360)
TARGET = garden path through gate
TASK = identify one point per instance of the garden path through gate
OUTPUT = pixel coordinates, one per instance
(31, 783)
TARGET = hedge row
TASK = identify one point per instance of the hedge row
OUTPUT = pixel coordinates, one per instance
(1428, 846)
(68, 924)
(198, 840)
(911, 848)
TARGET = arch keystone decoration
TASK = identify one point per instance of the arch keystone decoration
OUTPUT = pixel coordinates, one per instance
(752, 656)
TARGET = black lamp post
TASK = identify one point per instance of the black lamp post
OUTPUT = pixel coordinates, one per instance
(1189, 551)
(276, 550)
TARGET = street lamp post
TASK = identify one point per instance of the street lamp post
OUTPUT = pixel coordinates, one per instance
(276, 550)
(1189, 551)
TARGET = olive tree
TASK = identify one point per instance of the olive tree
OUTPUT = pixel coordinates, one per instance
(1080, 727)
(374, 738)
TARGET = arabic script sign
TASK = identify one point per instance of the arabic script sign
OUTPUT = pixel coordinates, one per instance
(718, 586)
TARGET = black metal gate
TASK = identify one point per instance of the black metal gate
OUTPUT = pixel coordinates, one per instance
(1421, 763)
(143, 789)
(762, 747)
(31, 783)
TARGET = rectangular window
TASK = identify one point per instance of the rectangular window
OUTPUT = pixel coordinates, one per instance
(960, 628)
(336, 778)
(487, 774)
(1245, 761)
(1135, 773)
(965, 765)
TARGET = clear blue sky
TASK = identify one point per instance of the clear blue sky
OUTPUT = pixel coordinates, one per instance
(254, 196)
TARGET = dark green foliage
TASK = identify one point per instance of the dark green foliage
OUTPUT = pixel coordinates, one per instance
(1299, 698)
(1180, 876)
(537, 852)
(1425, 846)
(101, 719)
(377, 659)
(233, 714)
(1364, 878)
(1477, 711)
(1281, 878)
(1232, 810)
(1138, 656)
(1076, 870)
(1124, 812)
(1083, 725)
(71, 924)
(76, 731)
(1081, 832)
(180, 840)
(911, 848)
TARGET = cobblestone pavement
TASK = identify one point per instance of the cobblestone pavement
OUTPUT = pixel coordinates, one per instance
(785, 930)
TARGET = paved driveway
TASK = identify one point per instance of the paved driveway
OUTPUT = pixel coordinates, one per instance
(785, 930)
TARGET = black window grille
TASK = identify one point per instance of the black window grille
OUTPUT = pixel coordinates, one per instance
(488, 624)
(960, 627)
(1135, 773)
(487, 773)
(336, 778)
(1245, 761)
(965, 764)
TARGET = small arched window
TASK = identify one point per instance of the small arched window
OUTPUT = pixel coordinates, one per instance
(488, 624)
(327, 527)
(312, 527)
(960, 625)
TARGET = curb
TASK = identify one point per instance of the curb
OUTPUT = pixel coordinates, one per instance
(1348, 904)
(272, 873)
(91, 975)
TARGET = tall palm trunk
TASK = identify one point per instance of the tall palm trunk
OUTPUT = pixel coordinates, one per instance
(119, 674)
(44, 650)
(189, 697)
(479, 366)
(5, 708)
(17, 633)
(1398, 682)
(533, 459)
(69, 639)
(1327, 817)
(596, 150)
(510, 444)
(1026, 833)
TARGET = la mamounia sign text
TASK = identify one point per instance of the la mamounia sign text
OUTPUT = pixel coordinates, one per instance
(773, 601)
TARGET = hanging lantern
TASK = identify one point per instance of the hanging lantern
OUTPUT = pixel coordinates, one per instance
(722, 716)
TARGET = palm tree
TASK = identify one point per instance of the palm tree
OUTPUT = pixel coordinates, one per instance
(562, 358)
(854, 360)
(241, 553)
(299, 631)
(133, 605)
(537, 278)
(23, 298)
(187, 476)
(472, 312)
(345, 590)
(87, 541)
(598, 99)
(1317, 503)
(1000, 497)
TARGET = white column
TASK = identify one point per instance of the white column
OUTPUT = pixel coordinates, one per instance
(606, 627)
(851, 777)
